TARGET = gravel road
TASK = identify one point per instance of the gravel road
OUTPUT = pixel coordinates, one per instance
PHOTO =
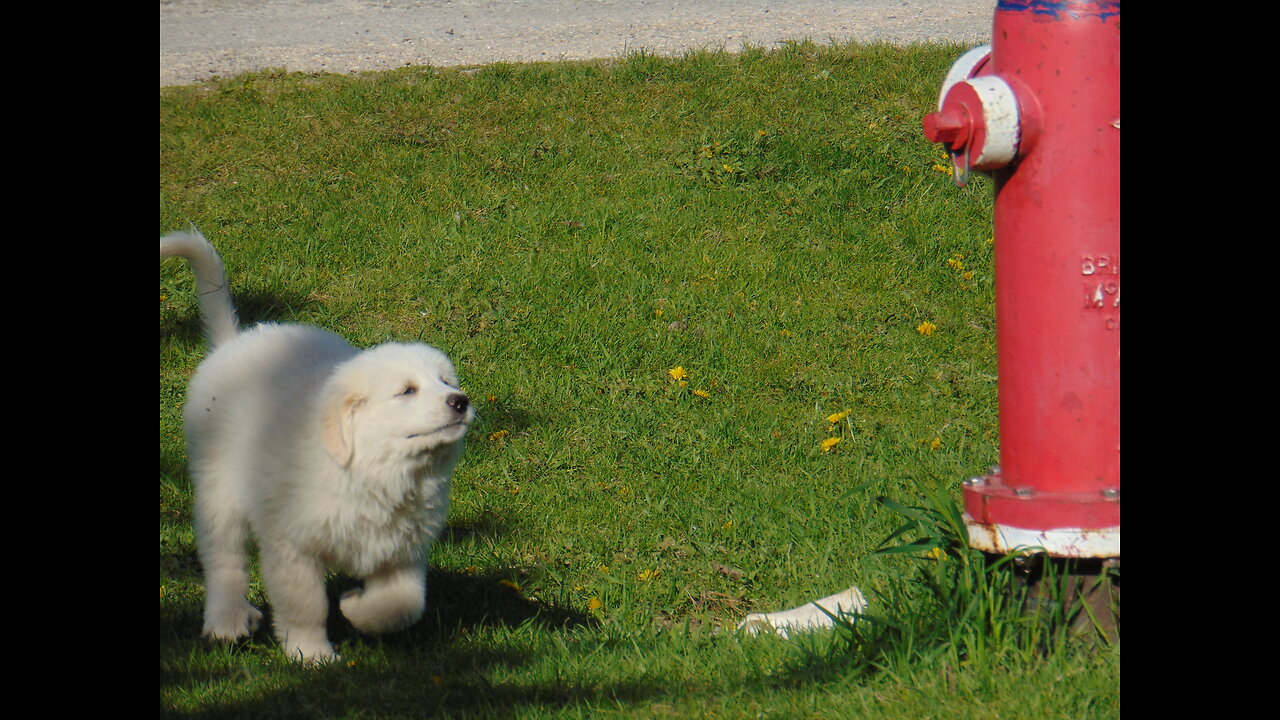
(200, 39)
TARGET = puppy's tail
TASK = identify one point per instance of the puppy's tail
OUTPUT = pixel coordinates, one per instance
(216, 308)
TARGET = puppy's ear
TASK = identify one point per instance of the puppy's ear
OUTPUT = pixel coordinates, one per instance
(339, 426)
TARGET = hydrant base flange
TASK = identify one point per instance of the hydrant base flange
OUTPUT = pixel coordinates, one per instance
(1057, 542)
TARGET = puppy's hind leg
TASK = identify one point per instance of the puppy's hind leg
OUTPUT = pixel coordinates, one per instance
(393, 598)
(221, 532)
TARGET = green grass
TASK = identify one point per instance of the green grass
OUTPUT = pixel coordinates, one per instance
(773, 223)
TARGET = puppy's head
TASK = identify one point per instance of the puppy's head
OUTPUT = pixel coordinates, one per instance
(398, 401)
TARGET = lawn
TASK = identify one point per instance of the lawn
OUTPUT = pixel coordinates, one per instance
(660, 278)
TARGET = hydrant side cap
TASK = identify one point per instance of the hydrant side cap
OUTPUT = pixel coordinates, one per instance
(965, 67)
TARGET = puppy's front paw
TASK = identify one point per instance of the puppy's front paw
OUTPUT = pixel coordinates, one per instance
(315, 654)
(309, 648)
(226, 624)
(380, 612)
(355, 609)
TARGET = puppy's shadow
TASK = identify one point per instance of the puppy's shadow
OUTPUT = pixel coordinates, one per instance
(457, 602)
(463, 600)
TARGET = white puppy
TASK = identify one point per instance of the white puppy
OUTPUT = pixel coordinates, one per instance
(334, 458)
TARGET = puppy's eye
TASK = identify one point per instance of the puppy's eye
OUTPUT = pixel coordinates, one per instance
(410, 390)
(450, 383)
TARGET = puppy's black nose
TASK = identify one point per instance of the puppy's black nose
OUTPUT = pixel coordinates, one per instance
(458, 402)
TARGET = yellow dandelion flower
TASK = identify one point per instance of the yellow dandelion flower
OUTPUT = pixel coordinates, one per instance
(935, 443)
(727, 526)
(956, 262)
(784, 333)
(968, 275)
(647, 574)
(499, 434)
(926, 328)
(936, 554)
(594, 604)
(702, 393)
(833, 419)
(658, 311)
(678, 373)
(830, 443)
(944, 168)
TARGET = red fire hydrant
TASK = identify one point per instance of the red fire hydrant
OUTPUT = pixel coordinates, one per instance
(1039, 110)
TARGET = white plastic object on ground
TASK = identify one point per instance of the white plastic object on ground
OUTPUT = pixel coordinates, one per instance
(814, 615)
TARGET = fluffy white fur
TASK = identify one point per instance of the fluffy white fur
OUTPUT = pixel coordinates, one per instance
(334, 458)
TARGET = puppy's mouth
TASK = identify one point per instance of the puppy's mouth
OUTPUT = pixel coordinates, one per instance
(441, 429)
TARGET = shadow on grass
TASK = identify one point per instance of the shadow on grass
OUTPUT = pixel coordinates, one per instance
(437, 667)
(457, 601)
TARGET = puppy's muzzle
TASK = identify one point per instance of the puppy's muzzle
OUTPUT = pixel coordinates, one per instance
(460, 404)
